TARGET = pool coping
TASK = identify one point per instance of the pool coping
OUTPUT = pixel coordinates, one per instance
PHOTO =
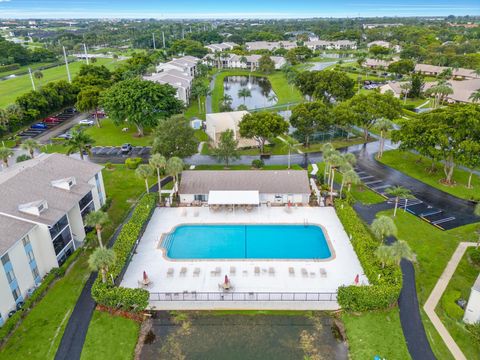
(332, 256)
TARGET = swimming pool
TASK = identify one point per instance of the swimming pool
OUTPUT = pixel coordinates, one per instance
(242, 241)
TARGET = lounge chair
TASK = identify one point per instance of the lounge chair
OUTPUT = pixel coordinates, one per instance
(271, 271)
(304, 272)
(183, 271)
(257, 270)
(291, 271)
(196, 272)
(170, 272)
(233, 270)
(184, 212)
(323, 273)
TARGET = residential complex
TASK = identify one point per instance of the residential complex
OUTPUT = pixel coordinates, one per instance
(331, 45)
(250, 62)
(225, 46)
(44, 202)
(270, 45)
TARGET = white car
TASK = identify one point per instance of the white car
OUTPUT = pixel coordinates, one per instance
(87, 122)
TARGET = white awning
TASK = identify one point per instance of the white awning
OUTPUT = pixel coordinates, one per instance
(233, 198)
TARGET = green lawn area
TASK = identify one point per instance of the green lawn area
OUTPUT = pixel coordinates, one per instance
(336, 143)
(39, 334)
(409, 164)
(285, 92)
(451, 314)
(375, 333)
(24, 68)
(110, 337)
(433, 248)
(111, 135)
(12, 88)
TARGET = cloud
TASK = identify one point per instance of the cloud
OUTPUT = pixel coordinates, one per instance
(4, 1)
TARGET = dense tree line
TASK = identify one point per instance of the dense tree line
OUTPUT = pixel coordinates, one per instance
(11, 53)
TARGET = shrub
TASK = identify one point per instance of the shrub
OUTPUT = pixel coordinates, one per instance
(474, 330)
(9, 67)
(450, 306)
(116, 296)
(475, 256)
(385, 282)
(109, 166)
(23, 157)
(132, 163)
(258, 163)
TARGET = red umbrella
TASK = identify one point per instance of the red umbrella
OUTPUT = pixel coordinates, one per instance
(226, 280)
(145, 277)
(357, 279)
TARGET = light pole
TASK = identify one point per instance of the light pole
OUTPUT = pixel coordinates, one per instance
(66, 64)
(31, 78)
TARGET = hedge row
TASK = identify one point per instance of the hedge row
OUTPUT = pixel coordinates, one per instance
(385, 283)
(37, 295)
(9, 67)
(116, 296)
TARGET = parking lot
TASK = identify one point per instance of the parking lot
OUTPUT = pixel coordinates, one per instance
(114, 154)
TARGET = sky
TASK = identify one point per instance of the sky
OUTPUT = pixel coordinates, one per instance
(208, 9)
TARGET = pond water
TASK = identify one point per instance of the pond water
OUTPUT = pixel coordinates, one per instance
(260, 88)
(242, 337)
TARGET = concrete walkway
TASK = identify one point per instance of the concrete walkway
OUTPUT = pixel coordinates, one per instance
(436, 295)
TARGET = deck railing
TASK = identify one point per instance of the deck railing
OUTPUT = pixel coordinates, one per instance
(243, 296)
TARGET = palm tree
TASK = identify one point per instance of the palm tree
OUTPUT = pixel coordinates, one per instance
(272, 98)
(31, 145)
(244, 93)
(349, 177)
(158, 163)
(475, 96)
(80, 141)
(289, 144)
(244, 60)
(226, 101)
(5, 153)
(384, 254)
(174, 167)
(100, 260)
(383, 125)
(327, 149)
(97, 219)
(144, 171)
(406, 87)
(398, 192)
(400, 250)
(350, 158)
(335, 161)
(382, 227)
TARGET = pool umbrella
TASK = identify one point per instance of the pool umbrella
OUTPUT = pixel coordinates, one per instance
(226, 280)
(145, 277)
(357, 279)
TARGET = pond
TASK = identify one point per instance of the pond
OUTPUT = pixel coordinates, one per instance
(195, 335)
(260, 90)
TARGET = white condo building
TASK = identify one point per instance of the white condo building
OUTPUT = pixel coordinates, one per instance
(43, 204)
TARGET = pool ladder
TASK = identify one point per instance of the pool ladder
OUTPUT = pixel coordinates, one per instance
(305, 222)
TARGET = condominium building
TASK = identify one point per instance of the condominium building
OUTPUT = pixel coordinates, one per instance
(251, 62)
(225, 46)
(331, 45)
(270, 45)
(43, 204)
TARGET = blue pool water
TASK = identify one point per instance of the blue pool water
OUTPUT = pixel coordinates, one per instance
(247, 242)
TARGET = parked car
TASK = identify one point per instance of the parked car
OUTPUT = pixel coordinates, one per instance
(39, 126)
(51, 120)
(87, 122)
(65, 136)
(126, 148)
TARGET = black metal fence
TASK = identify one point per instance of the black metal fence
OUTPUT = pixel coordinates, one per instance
(243, 296)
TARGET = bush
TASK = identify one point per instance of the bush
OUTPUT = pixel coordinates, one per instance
(132, 163)
(385, 283)
(23, 157)
(450, 306)
(108, 166)
(258, 163)
(39, 292)
(474, 330)
(116, 296)
(475, 256)
(10, 67)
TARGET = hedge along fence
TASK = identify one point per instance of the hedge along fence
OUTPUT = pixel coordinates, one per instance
(118, 297)
(37, 295)
(385, 283)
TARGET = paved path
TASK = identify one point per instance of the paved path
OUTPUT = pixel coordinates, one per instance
(410, 318)
(436, 295)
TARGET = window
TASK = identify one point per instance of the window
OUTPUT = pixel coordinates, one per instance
(85, 200)
(200, 197)
(26, 240)
(87, 210)
(62, 240)
(59, 226)
(5, 259)
(35, 272)
(10, 275)
(16, 293)
(99, 188)
(30, 256)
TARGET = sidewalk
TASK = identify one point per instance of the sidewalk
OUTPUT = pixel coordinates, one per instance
(436, 295)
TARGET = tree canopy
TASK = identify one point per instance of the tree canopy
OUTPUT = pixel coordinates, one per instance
(174, 137)
(310, 118)
(262, 126)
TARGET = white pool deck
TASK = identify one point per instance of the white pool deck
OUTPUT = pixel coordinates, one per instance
(341, 269)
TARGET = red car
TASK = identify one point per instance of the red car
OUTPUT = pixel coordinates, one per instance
(51, 120)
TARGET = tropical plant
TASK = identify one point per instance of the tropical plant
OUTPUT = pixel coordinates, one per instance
(80, 141)
(158, 163)
(261, 126)
(475, 96)
(101, 260)
(244, 93)
(385, 255)
(398, 192)
(174, 137)
(383, 125)
(30, 145)
(5, 153)
(200, 89)
(406, 87)
(289, 144)
(226, 148)
(88, 99)
(327, 149)
(174, 167)
(382, 227)
(144, 171)
(97, 219)
(349, 177)
(401, 250)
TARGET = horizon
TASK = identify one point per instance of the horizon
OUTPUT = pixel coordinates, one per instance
(249, 9)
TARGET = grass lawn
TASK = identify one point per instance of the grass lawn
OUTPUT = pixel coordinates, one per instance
(111, 135)
(12, 88)
(336, 143)
(285, 92)
(375, 333)
(110, 337)
(433, 248)
(451, 314)
(409, 164)
(24, 68)
(39, 334)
